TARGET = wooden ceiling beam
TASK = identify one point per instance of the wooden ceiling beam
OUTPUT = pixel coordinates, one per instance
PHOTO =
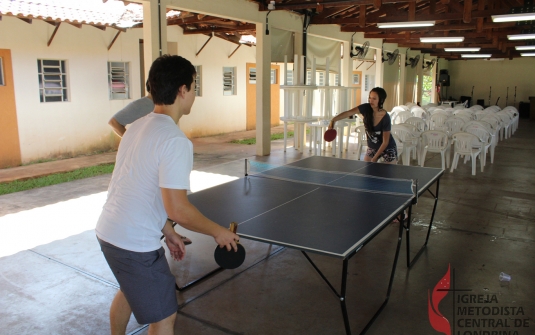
(191, 20)
(330, 4)
(362, 16)
(332, 12)
(412, 10)
(467, 14)
(245, 27)
(443, 16)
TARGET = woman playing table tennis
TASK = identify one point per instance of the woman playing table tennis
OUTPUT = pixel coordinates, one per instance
(377, 124)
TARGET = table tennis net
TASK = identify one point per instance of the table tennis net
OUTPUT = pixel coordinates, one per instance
(346, 180)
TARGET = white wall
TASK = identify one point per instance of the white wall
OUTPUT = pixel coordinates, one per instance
(80, 124)
(213, 113)
(499, 75)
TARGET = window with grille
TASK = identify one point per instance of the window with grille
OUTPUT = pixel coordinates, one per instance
(321, 78)
(229, 81)
(336, 80)
(198, 81)
(2, 82)
(118, 79)
(273, 76)
(309, 78)
(52, 80)
(369, 82)
(289, 77)
(252, 75)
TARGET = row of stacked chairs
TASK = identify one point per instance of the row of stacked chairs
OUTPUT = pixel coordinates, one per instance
(472, 132)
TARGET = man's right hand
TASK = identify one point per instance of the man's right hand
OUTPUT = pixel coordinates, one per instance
(226, 238)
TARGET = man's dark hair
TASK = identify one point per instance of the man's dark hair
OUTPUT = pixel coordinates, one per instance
(167, 74)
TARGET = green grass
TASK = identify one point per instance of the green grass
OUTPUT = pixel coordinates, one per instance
(56, 178)
(274, 136)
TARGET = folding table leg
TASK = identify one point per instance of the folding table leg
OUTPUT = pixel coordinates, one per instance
(408, 227)
(342, 294)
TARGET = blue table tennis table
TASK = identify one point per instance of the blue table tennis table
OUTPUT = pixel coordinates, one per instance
(324, 205)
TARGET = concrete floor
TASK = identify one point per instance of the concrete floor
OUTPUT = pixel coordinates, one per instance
(54, 280)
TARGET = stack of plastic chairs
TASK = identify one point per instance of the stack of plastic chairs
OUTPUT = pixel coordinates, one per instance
(409, 140)
(400, 117)
(484, 136)
(436, 141)
(467, 145)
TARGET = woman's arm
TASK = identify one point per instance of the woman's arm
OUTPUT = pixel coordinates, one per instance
(343, 115)
(386, 140)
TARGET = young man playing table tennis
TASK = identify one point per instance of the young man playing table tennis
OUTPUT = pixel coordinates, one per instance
(378, 126)
(150, 183)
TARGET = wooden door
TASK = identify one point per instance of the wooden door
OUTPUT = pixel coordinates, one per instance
(251, 95)
(9, 129)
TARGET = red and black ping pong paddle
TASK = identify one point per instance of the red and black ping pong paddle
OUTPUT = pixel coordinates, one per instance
(230, 259)
(329, 135)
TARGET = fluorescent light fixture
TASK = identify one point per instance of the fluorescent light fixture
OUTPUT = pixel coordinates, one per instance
(441, 39)
(525, 47)
(521, 37)
(406, 24)
(476, 55)
(513, 17)
(461, 49)
(528, 54)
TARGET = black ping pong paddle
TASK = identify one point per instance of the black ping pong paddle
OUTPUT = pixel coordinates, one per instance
(329, 135)
(230, 259)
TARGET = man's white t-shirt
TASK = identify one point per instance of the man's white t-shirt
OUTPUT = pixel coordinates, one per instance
(153, 153)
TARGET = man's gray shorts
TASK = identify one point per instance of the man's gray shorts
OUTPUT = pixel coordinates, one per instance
(145, 280)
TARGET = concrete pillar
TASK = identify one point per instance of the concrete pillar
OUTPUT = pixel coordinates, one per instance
(347, 66)
(263, 91)
(379, 69)
(402, 80)
(154, 31)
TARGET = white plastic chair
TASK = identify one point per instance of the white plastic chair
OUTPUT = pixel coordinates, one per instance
(362, 139)
(420, 112)
(436, 141)
(494, 134)
(465, 144)
(394, 112)
(507, 122)
(484, 136)
(480, 114)
(400, 117)
(409, 140)
(419, 123)
(437, 120)
(454, 125)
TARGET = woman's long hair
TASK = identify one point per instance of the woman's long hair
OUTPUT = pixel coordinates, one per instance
(368, 115)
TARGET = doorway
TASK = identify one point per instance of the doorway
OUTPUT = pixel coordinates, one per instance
(9, 129)
(251, 95)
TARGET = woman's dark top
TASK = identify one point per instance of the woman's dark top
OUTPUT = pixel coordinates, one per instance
(375, 138)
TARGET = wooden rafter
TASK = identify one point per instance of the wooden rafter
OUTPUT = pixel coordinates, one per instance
(232, 53)
(205, 43)
(113, 41)
(53, 34)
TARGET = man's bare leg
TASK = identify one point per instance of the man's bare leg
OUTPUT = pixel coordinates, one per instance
(119, 314)
(164, 327)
